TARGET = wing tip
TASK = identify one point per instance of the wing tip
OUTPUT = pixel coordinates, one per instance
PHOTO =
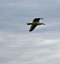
(41, 18)
(30, 30)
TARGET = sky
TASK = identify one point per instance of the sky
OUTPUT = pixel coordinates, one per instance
(17, 44)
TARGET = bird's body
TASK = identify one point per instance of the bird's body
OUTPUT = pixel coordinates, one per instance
(34, 23)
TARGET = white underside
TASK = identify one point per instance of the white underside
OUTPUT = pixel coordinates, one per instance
(37, 23)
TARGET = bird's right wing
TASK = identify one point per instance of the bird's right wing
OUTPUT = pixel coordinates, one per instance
(37, 19)
(32, 27)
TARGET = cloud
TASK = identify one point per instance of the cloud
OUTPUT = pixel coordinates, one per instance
(22, 48)
(17, 44)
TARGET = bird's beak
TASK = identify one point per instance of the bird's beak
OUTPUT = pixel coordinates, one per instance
(44, 24)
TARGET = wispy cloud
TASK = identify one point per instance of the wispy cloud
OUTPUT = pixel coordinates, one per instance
(17, 44)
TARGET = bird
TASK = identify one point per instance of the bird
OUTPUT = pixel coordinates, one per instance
(34, 23)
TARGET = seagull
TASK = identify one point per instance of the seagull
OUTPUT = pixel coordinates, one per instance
(34, 23)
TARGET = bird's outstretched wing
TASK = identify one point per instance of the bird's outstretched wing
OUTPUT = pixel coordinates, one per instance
(37, 19)
(32, 27)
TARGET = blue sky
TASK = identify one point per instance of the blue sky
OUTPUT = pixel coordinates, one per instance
(17, 44)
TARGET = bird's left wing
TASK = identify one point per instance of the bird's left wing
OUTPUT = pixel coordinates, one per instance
(32, 27)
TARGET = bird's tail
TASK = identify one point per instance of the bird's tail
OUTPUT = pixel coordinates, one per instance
(29, 23)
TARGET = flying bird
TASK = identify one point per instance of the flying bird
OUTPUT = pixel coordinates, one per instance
(34, 23)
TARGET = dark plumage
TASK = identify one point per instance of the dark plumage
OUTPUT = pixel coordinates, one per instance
(34, 23)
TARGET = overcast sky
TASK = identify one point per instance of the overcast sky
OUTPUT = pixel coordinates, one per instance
(17, 44)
